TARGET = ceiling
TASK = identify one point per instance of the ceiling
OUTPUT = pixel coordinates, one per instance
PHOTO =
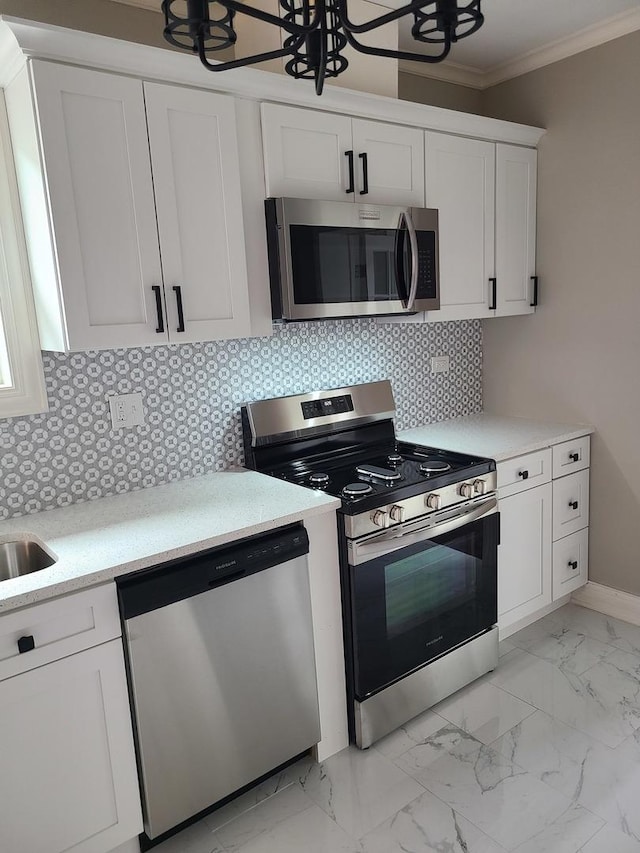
(517, 36)
(520, 35)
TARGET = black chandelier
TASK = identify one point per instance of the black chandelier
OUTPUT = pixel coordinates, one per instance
(317, 32)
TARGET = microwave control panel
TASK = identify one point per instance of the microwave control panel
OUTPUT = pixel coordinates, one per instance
(427, 273)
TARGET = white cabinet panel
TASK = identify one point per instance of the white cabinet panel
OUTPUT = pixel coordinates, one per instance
(571, 456)
(515, 228)
(196, 177)
(570, 504)
(524, 472)
(96, 158)
(460, 182)
(304, 152)
(394, 163)
(524, 554)
(570, 563)
(68, 778)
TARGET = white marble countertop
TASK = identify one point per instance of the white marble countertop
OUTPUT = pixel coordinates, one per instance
(98, 540)
(494, 436)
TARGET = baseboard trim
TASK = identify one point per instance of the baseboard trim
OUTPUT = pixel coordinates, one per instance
(513, 627)
(612, 602)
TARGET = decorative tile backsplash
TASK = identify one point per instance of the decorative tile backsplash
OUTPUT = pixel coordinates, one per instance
(192, 395)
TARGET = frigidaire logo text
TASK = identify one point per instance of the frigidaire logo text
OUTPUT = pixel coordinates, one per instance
(437, 640)
(225, 565)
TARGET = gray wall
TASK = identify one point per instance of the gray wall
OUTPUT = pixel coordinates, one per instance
(578, 358)
(438, 93)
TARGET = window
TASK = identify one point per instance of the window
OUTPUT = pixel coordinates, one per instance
(22, 388)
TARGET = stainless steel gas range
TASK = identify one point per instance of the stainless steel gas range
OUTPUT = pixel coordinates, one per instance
(418, 531)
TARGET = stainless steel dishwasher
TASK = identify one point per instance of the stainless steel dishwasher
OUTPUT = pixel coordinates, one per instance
(221, 669)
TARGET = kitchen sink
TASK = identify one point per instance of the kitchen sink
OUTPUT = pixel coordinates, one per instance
(21, 557)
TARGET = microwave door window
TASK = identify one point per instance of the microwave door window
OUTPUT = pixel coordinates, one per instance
(381, 283)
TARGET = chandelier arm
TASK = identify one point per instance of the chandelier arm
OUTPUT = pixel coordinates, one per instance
(246, 60)
(398, 54)
(268, 18)
(394, 15)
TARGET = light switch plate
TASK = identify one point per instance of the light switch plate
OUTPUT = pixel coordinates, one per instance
(126, 410)
(440, 364)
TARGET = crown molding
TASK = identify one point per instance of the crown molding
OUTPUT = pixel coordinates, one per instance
(585, 39)
(149, 5)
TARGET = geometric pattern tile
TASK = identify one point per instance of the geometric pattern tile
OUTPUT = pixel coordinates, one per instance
(192, 395)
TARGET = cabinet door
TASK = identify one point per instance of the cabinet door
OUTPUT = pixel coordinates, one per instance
(196, 177)
(304, 153)
(96, 158)
(394, 163)
(460, 182)
(524, 554)
(68, 778)
(515, 228)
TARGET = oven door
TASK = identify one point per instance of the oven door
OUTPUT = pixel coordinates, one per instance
(337, 259)
(421, 589)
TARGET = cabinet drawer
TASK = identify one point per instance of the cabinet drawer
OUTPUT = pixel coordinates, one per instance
(524, 472)
(570, 456)
(570, 563)
(59, 628)
(570, 504)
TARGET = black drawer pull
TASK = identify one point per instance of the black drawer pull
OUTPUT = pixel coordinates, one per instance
(349, 156)
(574, 457)
(494, 294)
(573, 564)
(534, 301)
(523, 474)
(160, 327)
(573, 504)
(26, 644)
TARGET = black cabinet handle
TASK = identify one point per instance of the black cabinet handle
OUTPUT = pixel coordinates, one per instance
(523, 474)
(573, 504)
(534, 301)
(178, 292)
(574, 457)
(349, 156)
(160, 326)
(26, 644)
(494, 293)
(573, 564)
(365, 174)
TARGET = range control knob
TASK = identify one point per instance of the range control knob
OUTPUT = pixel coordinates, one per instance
(466, 490)
(380, 518)
(479, 487)
(432, 501)
(396, 513)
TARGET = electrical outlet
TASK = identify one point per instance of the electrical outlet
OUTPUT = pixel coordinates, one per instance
(126, 410)
(440, 364)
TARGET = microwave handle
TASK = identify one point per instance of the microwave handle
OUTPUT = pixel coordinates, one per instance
(399, 252)
(413, 242)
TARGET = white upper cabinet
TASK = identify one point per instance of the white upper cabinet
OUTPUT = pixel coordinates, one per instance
(196, 178)
(515, 229)
(311, 154)
(460, 183)
(85, 176)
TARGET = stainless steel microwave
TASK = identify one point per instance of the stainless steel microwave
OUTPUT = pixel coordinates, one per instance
(332, 259)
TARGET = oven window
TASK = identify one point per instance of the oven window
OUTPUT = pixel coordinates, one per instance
(425, 585)
(417, 602)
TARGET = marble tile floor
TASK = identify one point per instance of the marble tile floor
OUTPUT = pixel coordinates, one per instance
(540, 756)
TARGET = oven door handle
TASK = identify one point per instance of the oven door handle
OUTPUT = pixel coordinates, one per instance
(394, 540)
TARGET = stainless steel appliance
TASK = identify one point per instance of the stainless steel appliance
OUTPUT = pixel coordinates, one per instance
(337, 259)
(418, 532)
(221, 668)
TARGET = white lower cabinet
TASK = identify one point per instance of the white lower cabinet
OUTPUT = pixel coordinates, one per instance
(68, 780)
(524, 554)
(544, 530)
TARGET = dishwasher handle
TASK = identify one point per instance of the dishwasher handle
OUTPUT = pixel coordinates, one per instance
(185, 577)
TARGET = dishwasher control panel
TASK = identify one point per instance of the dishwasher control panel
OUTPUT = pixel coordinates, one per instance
(175, 580)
